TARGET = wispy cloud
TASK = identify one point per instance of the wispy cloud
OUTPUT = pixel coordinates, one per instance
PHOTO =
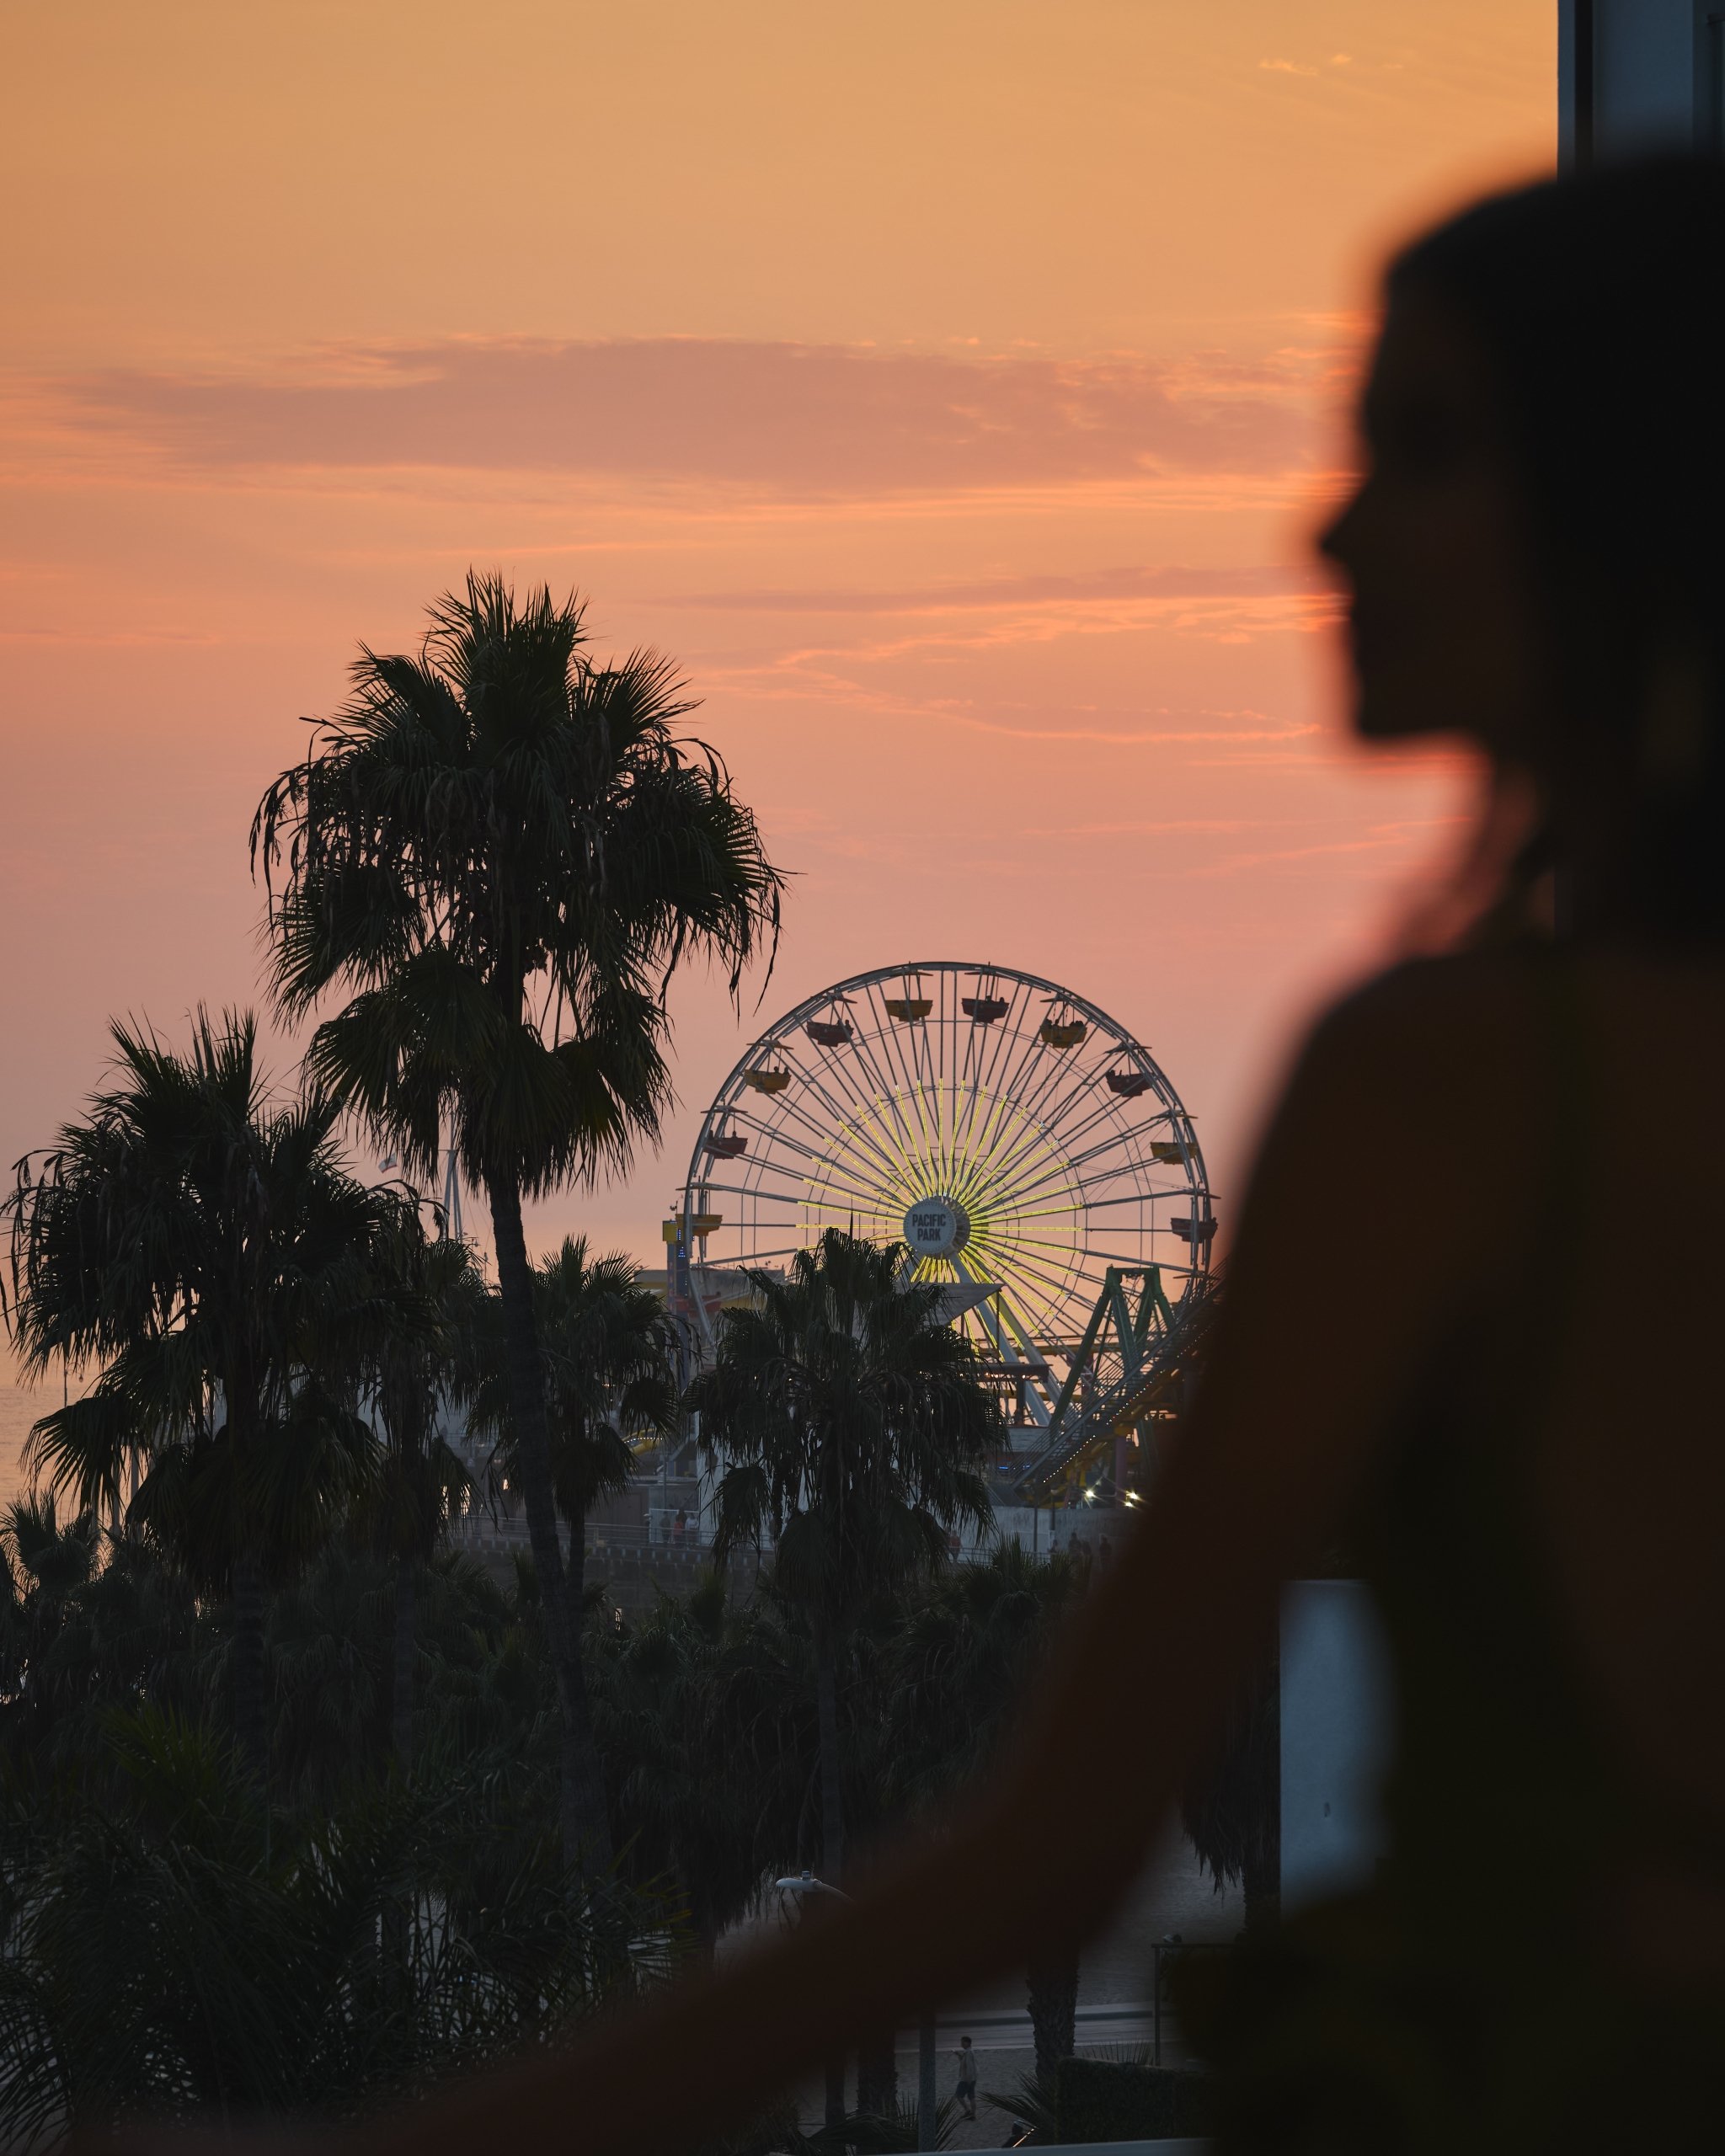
(792, 420)
(1172, 582)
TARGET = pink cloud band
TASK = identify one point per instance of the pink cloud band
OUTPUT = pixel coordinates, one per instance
(801, 419)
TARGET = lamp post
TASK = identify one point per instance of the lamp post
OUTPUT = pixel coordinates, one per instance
(805, 1883)
(807, 1888)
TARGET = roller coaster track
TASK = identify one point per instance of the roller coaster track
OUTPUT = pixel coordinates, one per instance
(1130, 1371)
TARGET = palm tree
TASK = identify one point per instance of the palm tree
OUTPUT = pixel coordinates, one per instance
(607, 1351)
(412, 1375)
(1233, 1810)
(499, 852)
(89, 1621)
(962, 1660)
(44, 1561)
(706, 1732)
(202, 1248)
(176, 1955)
(847, 1419)
(960, 1665)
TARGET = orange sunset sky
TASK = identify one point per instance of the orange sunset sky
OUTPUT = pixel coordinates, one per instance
(950, 386)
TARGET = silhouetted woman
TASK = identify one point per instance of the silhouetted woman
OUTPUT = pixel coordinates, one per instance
(1510, 1405)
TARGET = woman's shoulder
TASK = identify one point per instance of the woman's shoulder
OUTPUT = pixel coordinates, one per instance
(1462, 1015)
(1421, 1091)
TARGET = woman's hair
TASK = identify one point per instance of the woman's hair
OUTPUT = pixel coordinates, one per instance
(1600, 300)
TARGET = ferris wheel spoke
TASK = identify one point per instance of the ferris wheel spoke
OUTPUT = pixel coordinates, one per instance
(861, 1128)
(1185, 1195)
(1022, 1235)
(1006, 1137)
(758, 1193)
(779, 1182)
(945, 1162)
(889, 1088)
(871, 1156)
(1000, 1319)
(784, 1143)
(962, 1151)
(1036, 1181)
(831, 1085)
(964, 1114)
(984, 1050)
(1105, 1111)
(884, 1110)
(1029, 1159)
(971, 1187)
(893, 1040)
(1081, 1111)
(875, 1165)
(828, 1178)
(1018, 1265)
(956, 1098)
(831, 1207)
(1055, 1065)
(1030, 1047)
(1015, 1046)
(833, 1197)
(1029, 1154)
(1083, 1076)
(1029, 1141)
(779, 1137)
(1089, 1167)
(1053, 1264)
(1111, 1144)
(903, 1046)
(889, 1093)
(1123, 1130)
(1010, 1315)
(1040, 1297)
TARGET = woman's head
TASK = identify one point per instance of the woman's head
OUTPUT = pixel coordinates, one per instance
(1537, 548)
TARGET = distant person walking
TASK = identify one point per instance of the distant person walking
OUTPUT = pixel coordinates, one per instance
(966, 2091)
(679, 1528)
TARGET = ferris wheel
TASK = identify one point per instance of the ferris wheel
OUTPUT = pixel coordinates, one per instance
(1015, 1138)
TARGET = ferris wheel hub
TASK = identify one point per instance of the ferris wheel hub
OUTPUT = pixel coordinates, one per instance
(936, 1227)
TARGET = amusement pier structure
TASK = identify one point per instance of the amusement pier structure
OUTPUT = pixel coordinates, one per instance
(1038, 1163)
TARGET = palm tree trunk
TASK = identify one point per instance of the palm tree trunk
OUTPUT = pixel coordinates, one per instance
(832, 1835)
(582, 1766)
(927, 2090)
(586, 1828)
(835, 2111)
(878, 2074)
(251, 1715)
(832, 1816)
(1052, 1985)
(401, 1690)
(1260, 1888)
